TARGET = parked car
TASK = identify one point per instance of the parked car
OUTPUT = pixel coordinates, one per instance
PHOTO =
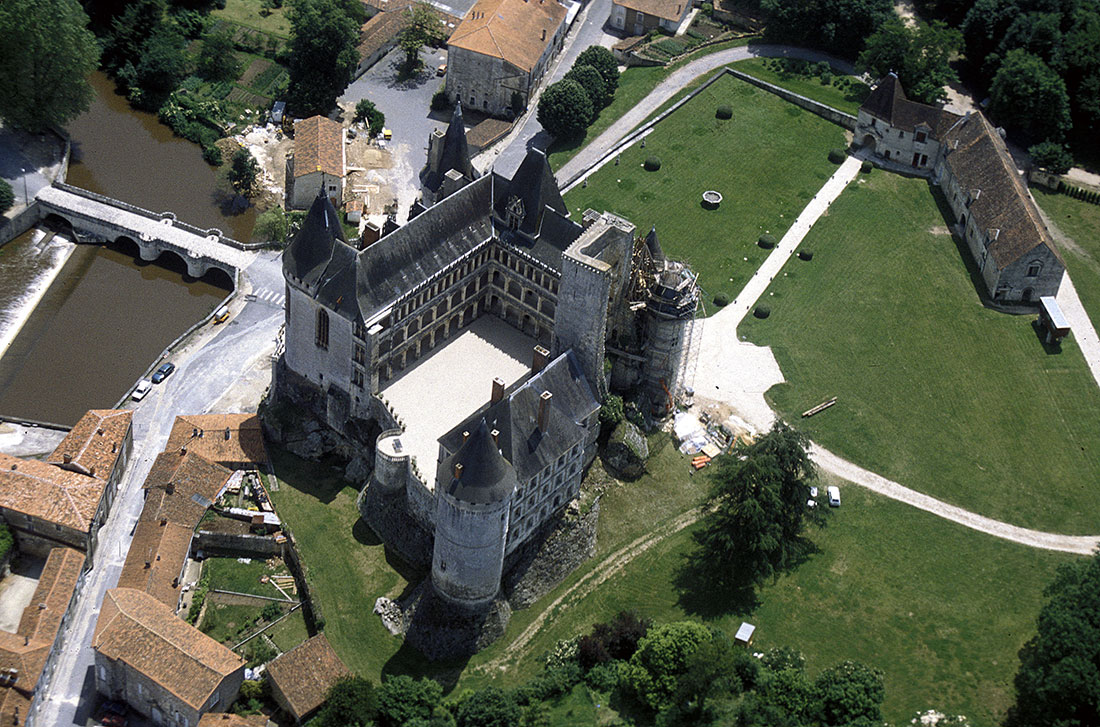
(221, 315)
(163, 372)
(834, 496)
(141, 389)
(441, 70)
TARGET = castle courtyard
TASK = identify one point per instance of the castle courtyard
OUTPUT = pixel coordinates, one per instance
(450, 383)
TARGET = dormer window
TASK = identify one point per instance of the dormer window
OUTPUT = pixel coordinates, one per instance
(514, 213)
(921, 136)
(1034, 268)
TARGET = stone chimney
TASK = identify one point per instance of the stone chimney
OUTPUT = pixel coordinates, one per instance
(371, 234)
(465, 436)
(498, 390)
(67, 459)
(227, 434)
(539, 359)
(458, 470)
(544, 409)
(495, 434)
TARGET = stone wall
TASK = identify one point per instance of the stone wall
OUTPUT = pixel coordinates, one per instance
(443, 631)
(826, 112)
(236, 545)
(537, 567)
(390, 520)
(16, 226)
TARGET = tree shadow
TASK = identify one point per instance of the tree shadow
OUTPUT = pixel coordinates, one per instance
(409, 661)
(307, 477)
(702, 594)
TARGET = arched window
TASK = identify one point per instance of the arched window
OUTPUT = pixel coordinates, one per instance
(322, 328)
(1034, 268)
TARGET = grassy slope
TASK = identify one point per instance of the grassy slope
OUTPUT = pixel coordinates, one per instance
(809, 87)
(767, 161)
(1081, 222)
(227, 574)
(934, 390)
(247, 13)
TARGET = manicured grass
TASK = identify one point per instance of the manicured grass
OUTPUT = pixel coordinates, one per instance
(289, 632)
(847, 101)
(228, 574)
(767, 161)
(247, 13)
(934, 390)
(1080, 221)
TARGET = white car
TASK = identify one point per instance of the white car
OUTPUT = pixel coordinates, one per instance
(834, 496)
(141, 389)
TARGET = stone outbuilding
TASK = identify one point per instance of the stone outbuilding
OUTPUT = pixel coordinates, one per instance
(319, 162)
(500, 52)
(300, 678)
(639, 17)
(163, 668)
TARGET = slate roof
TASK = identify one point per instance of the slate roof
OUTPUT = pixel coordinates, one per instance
(456, 154)
(665, 9)
(95, 442)
(526, 448)
(888, 103)
(141, 632)
(308, 255)
(49, 493)
(305, 673)
(534, 185)
(318, 147)
(654, 245)
(511, 30)
(977, 157)
(244, 444)
(486, 477)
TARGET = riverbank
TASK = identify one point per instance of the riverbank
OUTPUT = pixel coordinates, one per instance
(48, 254)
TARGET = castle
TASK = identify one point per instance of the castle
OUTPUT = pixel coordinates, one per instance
(598, 305)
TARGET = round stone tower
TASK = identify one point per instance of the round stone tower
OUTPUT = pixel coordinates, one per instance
(391, 463)
(471, 523)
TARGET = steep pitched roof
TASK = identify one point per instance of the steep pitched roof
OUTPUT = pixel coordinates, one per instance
(1000, 204)
(654, 245)
(485, 476)
(664, 9)
(533, 185)
(308, 255)
(456, 153)
(305, 673)
(379, 30)
(94, 444)
(318, 147)
(49, 493)
(889, 103)
(164, 546)
(141, 632)
(205, 434)
(516, 31)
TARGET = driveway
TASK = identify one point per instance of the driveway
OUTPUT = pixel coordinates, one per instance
(407, 106)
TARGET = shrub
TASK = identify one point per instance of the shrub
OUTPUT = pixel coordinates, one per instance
(593, 84)
(766, 241)
(271, 611)
(762, 312)
(6, 541)
(721, 300)
(212, 155)
(724, 112)
(805, 254)
(866, 167)
(197, 599)
(611, 412)
(7, 196)
(604, 677)
(565, 110)
(652, 164)
(707, 9)
(439, 101)
(837, 156)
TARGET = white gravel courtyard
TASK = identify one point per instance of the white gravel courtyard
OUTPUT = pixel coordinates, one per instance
(453, 381)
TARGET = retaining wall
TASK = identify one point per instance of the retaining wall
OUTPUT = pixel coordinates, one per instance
(16, 226)
(826, 112)
(241, 546)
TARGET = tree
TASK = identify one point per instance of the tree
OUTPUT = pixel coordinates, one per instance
(271, 226)
(1058, 683)
(350, 702)
(849, 691)
(243, 173)
(710, 671)
(1029, 97)
(759, 510)
(129, 32)
(366, 111)
(47, 53)
(7, 196)
(604, 62)
(424, 27)
(654, 671)
(592, 83)
(565, 109)
(920, 56)
(1051, 156)
(217, 61)
(838, 26)
(402, 698)
(489, 707)
(162, 66)
(323, 55)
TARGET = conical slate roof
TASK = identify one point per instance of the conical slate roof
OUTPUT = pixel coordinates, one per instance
(486, 477)
(309, 253)
(456, 154)
(654, 246)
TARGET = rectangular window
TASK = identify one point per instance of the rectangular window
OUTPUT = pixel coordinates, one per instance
(360, 330)
(921, 136)
(360, 356)
(322, 329)
(357, 377)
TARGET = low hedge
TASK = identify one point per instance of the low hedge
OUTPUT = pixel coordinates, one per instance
(762, 312)
(721, 300)
(652, 164)
(766, 241)
(724, 112)
(837, 156)
(866, 167)
(805, 254)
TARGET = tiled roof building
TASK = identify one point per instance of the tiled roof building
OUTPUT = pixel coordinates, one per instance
(319, 160)
(638, 17)
(225, 719)
(235, 441)
(300, 678)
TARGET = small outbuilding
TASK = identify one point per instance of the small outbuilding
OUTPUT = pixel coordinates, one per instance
(300, 678)
(1052, 320)
(744, 634)
(319, 162)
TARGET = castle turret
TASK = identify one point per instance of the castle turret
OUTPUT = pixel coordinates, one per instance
(391, 463)
(449, 167)
(474, 490)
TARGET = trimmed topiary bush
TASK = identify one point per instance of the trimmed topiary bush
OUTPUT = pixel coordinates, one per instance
(766, 241)
(724, 112)
(837, 156)
(652, 164)
(866, 167)
(805, 254)
(721, 300)
(762, 312)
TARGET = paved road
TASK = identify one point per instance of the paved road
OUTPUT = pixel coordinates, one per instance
(19, 171)
(666, 89)
(208, 368)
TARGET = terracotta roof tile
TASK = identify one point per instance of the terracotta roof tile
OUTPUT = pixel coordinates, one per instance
(165, 548)
(665, 9)
(95, 443)
(49, 493)
(318, 147)
(379, 30)
(42, 617)
(512, 30)
(141, 632)
(189, 482)
(225, 719)
(14, 708)
(23, 656)
(205, 434)
(305, 673)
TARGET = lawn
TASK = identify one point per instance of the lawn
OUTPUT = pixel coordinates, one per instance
(804, 85)
(289, 632)
(248, 13)
(228, 574)
(934, 390)
(767, 161)
(229, 623)
(1081, 222)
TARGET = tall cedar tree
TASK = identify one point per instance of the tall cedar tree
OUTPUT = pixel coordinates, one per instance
(46, 55)
(424, 27)
(323, 55)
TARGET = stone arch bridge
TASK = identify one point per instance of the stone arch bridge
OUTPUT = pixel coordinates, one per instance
(97, 218)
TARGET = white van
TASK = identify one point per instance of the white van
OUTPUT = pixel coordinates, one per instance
(834, 496)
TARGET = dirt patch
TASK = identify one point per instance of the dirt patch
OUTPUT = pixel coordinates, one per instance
(939, 230)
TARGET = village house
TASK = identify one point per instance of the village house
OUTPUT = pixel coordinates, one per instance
(967, 158)
(300, 678)
(225, 719)
(235, 441)
(499, 53)
(639, 17)
(162, 667)
(65, 500)
(319, 161)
